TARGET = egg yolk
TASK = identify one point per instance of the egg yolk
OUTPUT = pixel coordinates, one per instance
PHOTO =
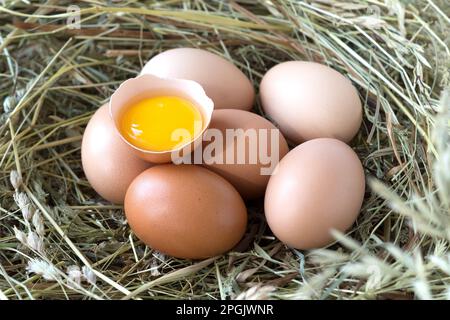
(161, 123)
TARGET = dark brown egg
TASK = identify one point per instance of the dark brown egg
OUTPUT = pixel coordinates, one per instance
(260, 139)
(185, 211)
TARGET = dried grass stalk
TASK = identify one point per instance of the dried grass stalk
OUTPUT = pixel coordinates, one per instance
(60, 240)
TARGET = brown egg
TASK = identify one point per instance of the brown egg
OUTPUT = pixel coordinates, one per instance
(309, 100)
(245, 176)
(223, 82)
(108, 163)
(318, 186)
(185, 211)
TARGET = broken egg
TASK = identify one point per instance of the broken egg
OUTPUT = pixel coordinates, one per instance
(158, 117)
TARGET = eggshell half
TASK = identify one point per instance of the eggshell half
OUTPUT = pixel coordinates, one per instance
(148, 86)
(309, 100)
(223, 82)
(318, 186)
(108, 163)
(185, 211)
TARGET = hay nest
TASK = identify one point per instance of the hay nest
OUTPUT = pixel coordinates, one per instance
(60, 240)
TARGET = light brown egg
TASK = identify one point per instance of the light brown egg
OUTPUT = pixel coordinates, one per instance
(108, 163)
(223, 82)
(318, 186)
(246, 176)
(309, 100)
(185, 211)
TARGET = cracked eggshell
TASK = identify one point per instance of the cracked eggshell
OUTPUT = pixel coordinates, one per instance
(185, 211)
(318, 186)
(108, 163)
(147, 86)
(223, 82)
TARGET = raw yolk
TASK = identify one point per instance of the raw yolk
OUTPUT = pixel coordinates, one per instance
(161, 123)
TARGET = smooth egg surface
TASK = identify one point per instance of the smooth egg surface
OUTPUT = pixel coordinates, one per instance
(246, 176)
(308, 100)
(185, 211)
(318, 186)
(222, 81)
(108, 162)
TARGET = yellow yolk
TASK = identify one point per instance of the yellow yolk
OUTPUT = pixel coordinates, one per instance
(154, 124)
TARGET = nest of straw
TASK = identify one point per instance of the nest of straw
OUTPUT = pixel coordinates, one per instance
(60, 240)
